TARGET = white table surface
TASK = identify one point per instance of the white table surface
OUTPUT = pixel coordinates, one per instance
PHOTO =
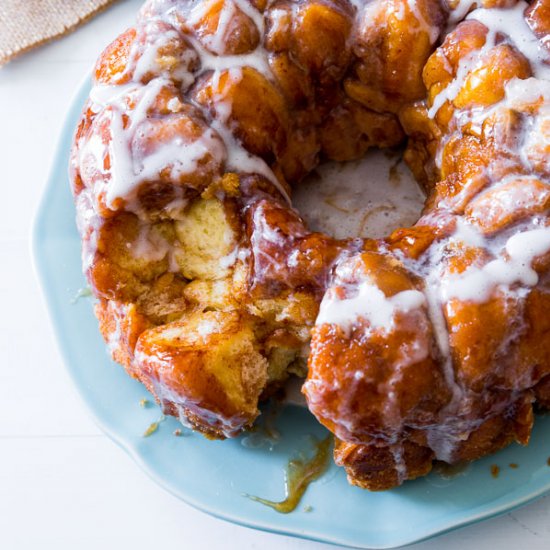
(63, 484)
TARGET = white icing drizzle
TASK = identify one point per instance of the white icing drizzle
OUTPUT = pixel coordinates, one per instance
(510, 23)
(467, 234)
(359, 4)
(401, 469)
(210, 62)
(230, 259)
(216, 41)
(397, 10)
(477, 283)
(369, 304)
(431, 30)
(129, 166)
(257, 17)
(114, 339)
(148, 58)
(465, 66)
(180, 156)
(278, 18)
(524, 93)
(257, 59)
(238, 158)
(459, 11)
(437, 318)
(88, 225)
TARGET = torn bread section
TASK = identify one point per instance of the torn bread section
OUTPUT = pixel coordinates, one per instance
(206, 369)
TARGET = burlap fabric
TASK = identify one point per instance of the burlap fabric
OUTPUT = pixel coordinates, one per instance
(25, 24)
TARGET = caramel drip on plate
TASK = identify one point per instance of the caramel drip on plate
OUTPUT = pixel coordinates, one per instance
(299, 475)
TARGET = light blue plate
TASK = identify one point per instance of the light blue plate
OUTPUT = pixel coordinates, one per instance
(214, 476)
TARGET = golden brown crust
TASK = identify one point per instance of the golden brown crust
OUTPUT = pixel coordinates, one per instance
(374, 468)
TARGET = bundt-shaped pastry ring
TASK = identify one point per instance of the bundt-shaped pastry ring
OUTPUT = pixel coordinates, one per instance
(432, 343)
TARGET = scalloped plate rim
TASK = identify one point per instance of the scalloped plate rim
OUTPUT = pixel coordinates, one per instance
(44, 270)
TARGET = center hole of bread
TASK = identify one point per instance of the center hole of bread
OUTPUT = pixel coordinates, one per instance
(366, 198)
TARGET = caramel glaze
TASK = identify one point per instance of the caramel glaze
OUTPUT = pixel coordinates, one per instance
(299, 475)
